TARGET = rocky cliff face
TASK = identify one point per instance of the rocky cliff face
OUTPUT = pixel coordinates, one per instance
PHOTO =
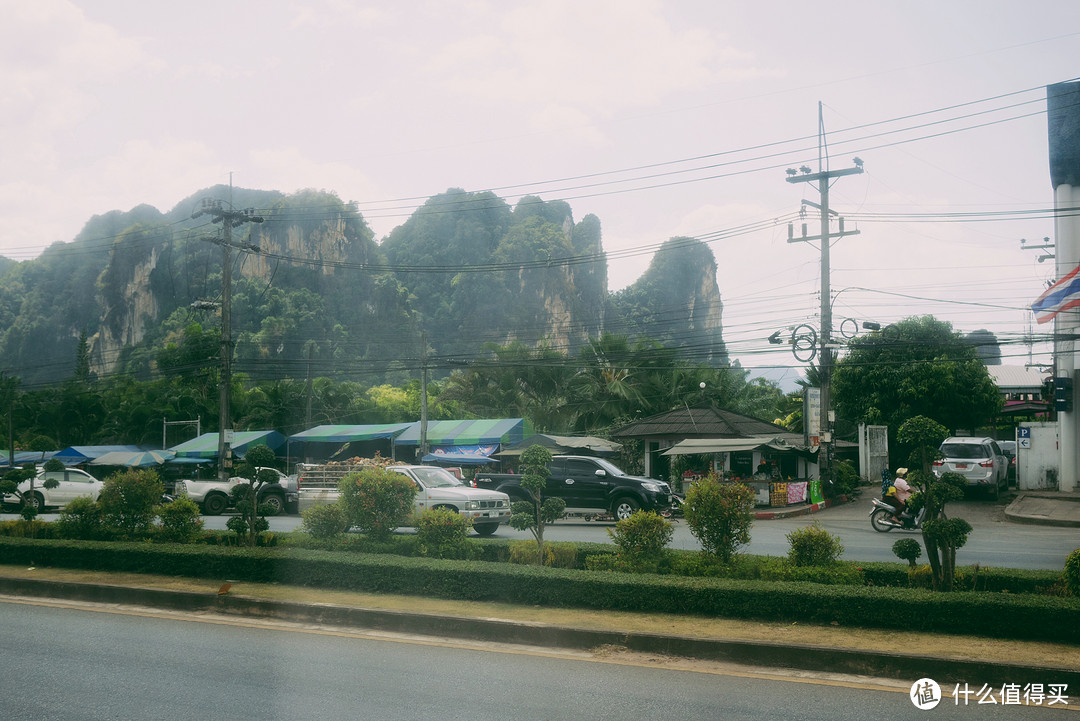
(466, 268)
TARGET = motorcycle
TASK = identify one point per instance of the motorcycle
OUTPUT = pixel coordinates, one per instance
(881, 517)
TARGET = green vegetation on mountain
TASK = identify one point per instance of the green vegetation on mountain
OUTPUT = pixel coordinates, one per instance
(110, 333)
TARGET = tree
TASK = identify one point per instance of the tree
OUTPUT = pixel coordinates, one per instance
(919, 367)
(128, 500)
(257, 468)
(537, 512)
(941, 535)
(719, 515)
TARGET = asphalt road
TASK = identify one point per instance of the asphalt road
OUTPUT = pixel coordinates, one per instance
(994, 542)
(114, 664)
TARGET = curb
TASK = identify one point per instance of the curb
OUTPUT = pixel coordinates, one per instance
(798, 510)
(1039, 520)
(803, 657)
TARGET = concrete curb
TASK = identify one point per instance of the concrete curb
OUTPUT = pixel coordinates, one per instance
(805, 657)
(1050, 509)
(799, 510)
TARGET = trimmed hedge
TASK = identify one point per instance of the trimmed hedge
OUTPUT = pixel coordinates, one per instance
(1001, 615)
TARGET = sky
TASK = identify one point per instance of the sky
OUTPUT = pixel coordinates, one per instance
(661, 118)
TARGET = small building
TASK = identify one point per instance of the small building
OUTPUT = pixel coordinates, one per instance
(743, 442)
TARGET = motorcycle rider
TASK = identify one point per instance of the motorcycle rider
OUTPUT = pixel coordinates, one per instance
(898, 494)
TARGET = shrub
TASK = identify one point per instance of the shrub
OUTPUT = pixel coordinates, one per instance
(813, 546)
(563, 555)
(376, 501)
(907, 549)
(82, 519)
(324, 522)
(524, 552)
(1071, 574)
(556, 555)
(642, 539)
(180, 521)
(845, 479)
(719, 515)
(782, 569)
(602, 562)
(442, 533)
(27, 529)
(128, 500)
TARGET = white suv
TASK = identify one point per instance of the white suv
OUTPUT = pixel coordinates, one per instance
(979, 460)
(72, 483)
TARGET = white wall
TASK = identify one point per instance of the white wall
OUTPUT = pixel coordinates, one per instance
(1037, 457)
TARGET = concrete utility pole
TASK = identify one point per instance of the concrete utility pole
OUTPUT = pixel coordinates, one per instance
(227, 218)
(423, 396)
(822, 178)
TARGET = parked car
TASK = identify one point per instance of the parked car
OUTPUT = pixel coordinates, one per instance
(1009, 449)
(979, 460)
(590, 486)
(72, 483)
(436, 488)
(214, 496)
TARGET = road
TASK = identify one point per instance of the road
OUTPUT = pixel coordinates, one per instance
(107, 663)
(995, 542)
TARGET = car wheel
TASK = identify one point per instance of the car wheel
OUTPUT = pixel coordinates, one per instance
(35, 501)
(878, 521)
(214, 504)
(276, 503)
(624, 508)
(485, 529)
(995, 491)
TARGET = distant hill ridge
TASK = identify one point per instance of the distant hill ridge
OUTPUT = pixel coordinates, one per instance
(324, 298)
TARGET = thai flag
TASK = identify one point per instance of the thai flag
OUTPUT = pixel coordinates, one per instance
(1062, 295)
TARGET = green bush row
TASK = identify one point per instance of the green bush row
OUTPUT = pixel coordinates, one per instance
(1020, 616)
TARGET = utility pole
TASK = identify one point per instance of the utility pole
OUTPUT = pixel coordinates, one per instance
(227, 217)
(822, 178)
(423, 396)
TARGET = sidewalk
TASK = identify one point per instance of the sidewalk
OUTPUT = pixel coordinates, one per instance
(1047, 508)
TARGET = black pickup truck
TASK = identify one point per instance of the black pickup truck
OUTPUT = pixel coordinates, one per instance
(590, 486)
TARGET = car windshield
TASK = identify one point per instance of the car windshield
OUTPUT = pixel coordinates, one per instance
(964, 450)
(433, 477)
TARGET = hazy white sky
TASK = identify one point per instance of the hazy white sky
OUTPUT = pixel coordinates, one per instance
(108, 104)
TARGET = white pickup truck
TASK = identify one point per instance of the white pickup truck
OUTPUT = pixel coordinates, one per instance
(436, 488)
(214, 496)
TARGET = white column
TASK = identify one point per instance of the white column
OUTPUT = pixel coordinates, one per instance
(1067, 242)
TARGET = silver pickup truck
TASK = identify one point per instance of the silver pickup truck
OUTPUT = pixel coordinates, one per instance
(436, 488)
(214, 496)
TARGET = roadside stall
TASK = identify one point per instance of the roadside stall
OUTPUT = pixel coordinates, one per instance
(780, 473)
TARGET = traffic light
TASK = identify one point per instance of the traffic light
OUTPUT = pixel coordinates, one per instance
(1063, 393)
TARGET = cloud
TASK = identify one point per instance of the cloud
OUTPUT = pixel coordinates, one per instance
(597, 59)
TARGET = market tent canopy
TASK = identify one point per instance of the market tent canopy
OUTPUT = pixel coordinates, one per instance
(694, 446)
(138, 459)
(468, 433)
(81, 454)
(206, 445)
(348, 434)
(565, 444)
(24, 457)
